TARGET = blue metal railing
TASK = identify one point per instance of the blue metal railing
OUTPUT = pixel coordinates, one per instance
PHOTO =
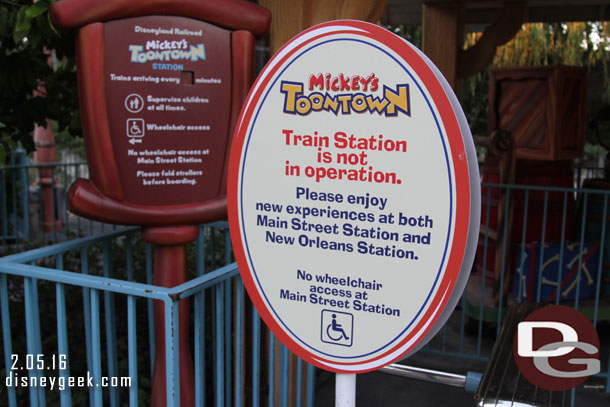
(538, 244)
(14, 202)
(220, 317)
(31, 209)
(516, 222)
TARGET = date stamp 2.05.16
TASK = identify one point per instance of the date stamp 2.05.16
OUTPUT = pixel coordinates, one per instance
(53, 372)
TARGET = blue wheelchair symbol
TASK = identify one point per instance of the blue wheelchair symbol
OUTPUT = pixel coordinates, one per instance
(337, 327)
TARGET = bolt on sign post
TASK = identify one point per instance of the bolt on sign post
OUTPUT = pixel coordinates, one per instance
(353, 198)
(161, 84)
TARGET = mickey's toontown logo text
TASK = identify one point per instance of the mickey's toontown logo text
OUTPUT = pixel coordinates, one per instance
(322, 96)
(157, 50)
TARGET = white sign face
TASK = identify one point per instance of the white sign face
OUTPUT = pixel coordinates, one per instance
(353, 197)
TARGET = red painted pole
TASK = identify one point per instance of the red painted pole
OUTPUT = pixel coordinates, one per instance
(45, 154)
(169, 271)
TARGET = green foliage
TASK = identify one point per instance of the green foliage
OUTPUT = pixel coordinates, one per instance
(37, 74)
(409, 33)
(593, 151)
(475, 102)
(64, 140)
(575, 44)
(7, 144)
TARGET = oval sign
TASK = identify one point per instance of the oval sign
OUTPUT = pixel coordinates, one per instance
(353, 197)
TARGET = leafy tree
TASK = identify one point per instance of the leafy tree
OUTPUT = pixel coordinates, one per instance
(575, 44)
(37, 74)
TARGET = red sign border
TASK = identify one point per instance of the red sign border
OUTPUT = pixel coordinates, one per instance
(461, 174)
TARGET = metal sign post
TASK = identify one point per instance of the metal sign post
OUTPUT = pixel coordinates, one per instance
(345, 390)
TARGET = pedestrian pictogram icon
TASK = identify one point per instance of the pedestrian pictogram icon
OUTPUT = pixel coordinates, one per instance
(337, 327)
(135, 127)
(134, 103)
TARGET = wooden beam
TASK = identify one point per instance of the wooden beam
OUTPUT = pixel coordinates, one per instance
(477, 57)
(442, 37)
(290, 17)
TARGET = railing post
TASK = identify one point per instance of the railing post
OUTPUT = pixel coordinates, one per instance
(132, 338)
(6, 336)
(96, 348)
(199, 299)
(109, 310)
(172, 355)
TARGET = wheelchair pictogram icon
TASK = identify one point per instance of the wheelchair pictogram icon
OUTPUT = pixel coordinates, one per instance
(135, 127)
(337, 327)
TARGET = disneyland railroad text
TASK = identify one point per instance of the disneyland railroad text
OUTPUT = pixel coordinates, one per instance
(167, 31)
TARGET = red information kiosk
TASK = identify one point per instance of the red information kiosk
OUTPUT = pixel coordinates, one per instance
(161, 84)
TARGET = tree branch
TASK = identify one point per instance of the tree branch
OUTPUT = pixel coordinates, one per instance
(477, 57)
(12, 3)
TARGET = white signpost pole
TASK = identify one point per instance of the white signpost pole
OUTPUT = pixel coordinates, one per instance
(345, 390)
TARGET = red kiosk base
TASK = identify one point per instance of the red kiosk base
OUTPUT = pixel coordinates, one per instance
(161, 85)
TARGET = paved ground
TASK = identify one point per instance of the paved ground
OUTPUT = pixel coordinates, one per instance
(377, 389)
(382, 390)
